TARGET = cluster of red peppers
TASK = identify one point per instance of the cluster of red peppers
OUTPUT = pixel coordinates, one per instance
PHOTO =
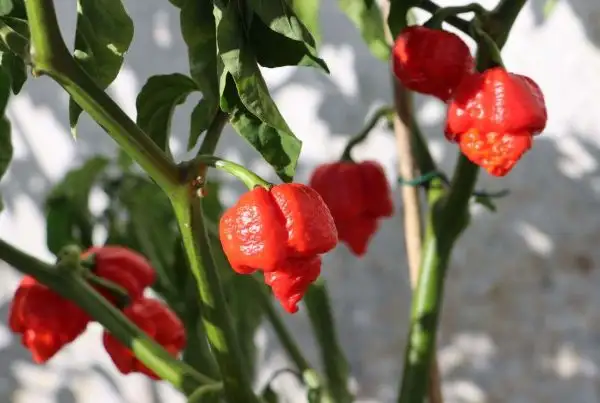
(47, 321)
(492, 115)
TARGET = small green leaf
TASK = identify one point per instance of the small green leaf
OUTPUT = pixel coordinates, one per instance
(156, 102)
(15, 67)
(255, 114)
(103, 34)
(276, 50)
(367, 17)
(308, 12)
(6, 6)
(68, 219)
(397, 18)
(486, 202)
(280, 38)
(202, 116)
(6, 148)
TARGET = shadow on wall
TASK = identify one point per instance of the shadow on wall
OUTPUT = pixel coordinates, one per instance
(518, 322)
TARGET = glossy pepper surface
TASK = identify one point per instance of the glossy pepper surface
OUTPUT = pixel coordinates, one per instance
(358, 195)
(123, 267)
(280, 231)
(431, 61)
(46, 321)
(493, 116)
(159, 323)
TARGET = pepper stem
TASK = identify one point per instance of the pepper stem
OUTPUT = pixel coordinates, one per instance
(116, 290)
(442, 14)
(249, 178)
(384, 111)
(487, 46)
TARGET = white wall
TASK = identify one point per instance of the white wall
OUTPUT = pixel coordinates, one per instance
(521, 320)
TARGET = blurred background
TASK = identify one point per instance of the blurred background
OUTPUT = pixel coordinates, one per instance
(521, 318)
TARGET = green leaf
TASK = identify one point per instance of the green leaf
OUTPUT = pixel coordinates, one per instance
(397, 19)
(245, 95)
(280, 38)
(16, 68)
(103, 34)
(202, 116)
(367, 17)
(486, 202)
(68, 219)
(6, 148)
(308, 12)
(6, 6)
(199, 33)
(156, 102)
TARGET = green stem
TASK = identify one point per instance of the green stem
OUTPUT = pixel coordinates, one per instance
(51, 56)
(215, 314)
(448, 217)
(284, 336)
(323, 325)
(444, 13)
(213, 133)
(384, 111)
(76, 289)
(117, 291)
(249, 178)
(455, 21)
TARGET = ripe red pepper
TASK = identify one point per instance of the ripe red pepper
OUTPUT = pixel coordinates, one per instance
(277, 230)
(156, 320)
(431, 61)
(123, 267)
(493, 117)
(290, 282)
(46, 321)
(358, 195)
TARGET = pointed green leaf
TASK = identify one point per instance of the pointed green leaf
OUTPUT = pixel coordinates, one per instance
(103, 34)
(280, 38)
(156, 102)
(308, 12)
(397, 18)
(255, 114)
(68, 219)
(486, 202)
(367, 18)
(15, 67)
(202, 116)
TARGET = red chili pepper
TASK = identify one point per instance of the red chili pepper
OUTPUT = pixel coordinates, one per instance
(156, 320)
(124, 267)
(273, 230)
(498, 113)
(357, 194)
(265, 228)
(290, 282)
(46, 321)
(431, 61)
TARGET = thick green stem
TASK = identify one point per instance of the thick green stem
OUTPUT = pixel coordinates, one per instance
(448, 217)
(323, 325)
(455, 21)
(215, 314)
(76, 289)
(51, 56)
(249, 178)
(385, 111)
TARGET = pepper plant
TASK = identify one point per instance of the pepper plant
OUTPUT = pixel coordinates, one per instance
(214, 271)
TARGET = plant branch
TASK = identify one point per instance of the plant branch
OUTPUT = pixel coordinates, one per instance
(321, 318)
(76, 289)
(50, 56)
(456, 22)
(448, 217)
(384, 111)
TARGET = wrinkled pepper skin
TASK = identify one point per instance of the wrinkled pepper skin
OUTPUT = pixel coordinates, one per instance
(45, 320)
(278, 230)
(431, 61)
(123, 267)
(290, 282)
(358, 195)
(159, 323)
(494, 116)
